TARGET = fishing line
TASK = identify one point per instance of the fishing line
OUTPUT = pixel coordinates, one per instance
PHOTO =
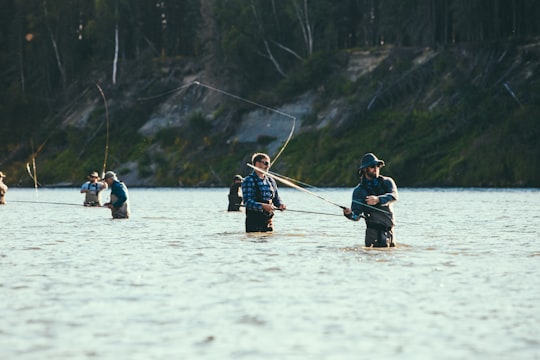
(107, 136)
(172, 91)
(223, 92)
(306, 212)
(43, 202)
(261, 106)
(314, 187)
(313, 212)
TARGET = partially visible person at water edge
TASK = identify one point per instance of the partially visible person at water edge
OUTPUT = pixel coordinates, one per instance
(235, 198)
(93, 188)
(3, 189)
(119, 202)
(372, 200)
(261, 196)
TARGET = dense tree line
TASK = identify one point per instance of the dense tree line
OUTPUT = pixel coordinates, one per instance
(46, 45)
(285, 32)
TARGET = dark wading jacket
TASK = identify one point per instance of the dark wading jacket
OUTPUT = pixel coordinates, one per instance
(385, 188)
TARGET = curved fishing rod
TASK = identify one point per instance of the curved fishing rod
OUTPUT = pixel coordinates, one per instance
(34, 154)
(107, 136)
(34, 176)
(259, 105)
(293, 180)
(209, 87)
(293, 185)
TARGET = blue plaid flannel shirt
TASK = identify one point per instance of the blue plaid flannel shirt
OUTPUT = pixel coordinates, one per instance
(269, 192)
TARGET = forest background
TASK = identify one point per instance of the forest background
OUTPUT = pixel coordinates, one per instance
(181, 93)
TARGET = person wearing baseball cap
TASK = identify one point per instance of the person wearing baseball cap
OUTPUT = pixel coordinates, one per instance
(119, 203)
(372, 200)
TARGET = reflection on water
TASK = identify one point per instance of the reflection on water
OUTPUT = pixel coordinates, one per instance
(181, 279)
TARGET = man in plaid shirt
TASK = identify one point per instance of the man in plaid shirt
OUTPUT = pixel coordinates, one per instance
(261, 196)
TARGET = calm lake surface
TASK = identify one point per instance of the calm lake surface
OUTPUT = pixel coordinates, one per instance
(181, 279)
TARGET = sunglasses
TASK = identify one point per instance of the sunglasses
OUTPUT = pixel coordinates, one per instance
(264, 162)
(373, 166)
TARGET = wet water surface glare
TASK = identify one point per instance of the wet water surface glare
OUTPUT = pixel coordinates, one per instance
(181, 279)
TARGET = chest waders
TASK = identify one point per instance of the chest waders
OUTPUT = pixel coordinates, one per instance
(260, 221)
(121, 212)
(379, 225)
(93, 196)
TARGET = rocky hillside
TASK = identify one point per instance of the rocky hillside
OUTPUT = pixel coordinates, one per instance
(458, 116)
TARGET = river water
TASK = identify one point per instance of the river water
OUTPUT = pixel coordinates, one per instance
(181, 279)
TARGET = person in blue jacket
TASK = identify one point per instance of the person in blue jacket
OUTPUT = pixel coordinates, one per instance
(372, 200)
(119, 203)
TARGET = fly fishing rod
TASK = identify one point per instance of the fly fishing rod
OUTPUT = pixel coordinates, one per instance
(107, 136)
(293, 180)
(293, 185)
(289, 182)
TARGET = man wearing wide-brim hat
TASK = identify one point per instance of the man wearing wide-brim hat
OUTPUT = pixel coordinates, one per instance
(372, 200)
(3, 189)
(92, 190)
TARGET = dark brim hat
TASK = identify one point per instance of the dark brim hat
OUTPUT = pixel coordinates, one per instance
(370, 159)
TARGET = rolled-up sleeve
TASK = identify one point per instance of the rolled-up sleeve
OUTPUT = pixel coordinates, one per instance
(392, 193)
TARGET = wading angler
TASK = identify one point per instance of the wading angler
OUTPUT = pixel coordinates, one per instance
(92, 190)
(261, 196)
(119, 203)
(372, 200)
